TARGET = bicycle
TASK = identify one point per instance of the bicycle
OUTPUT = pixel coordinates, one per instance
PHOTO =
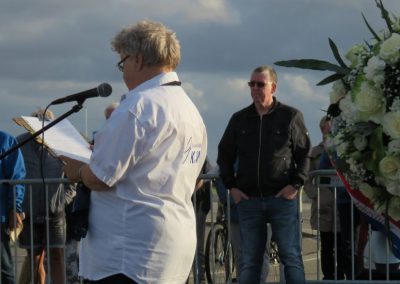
(219, 257)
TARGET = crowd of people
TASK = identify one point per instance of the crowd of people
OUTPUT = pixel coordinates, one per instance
(143, 178)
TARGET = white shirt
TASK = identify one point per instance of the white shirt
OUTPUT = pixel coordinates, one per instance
(150, 152)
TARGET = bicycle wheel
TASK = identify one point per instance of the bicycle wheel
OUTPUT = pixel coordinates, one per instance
(218, 256)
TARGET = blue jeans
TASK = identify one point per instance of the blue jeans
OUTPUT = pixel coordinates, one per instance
(7, 270)
(283, 215)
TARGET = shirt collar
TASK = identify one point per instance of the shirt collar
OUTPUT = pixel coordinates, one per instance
(156, 81)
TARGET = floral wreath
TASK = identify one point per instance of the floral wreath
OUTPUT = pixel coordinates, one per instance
(365, 133)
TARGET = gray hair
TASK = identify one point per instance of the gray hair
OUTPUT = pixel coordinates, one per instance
(157, 44)
(269, 71)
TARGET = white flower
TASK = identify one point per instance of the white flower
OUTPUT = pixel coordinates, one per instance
(342, 148)
(375, 70)
(394, 208)
(349, 110)
(390, 49)
(338, 91)
(396, 25)
(395, 104)
(393, 187)
(360, 142)
(355, 53)
(354, 166)
(389, 167)
(394, 147)
(370, 102)
(391, 124)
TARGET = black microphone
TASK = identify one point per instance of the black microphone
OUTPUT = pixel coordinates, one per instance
(103, 90)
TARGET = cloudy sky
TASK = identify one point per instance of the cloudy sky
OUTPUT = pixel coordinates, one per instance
(50, 49)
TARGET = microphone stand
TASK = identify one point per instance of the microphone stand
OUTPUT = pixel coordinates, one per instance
(75, 108)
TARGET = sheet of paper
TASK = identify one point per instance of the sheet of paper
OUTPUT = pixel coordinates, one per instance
(62, 138)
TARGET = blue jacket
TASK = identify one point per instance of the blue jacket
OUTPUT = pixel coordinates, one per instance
(12, 168)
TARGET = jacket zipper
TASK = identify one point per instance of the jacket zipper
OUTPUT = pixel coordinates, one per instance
(259, 157)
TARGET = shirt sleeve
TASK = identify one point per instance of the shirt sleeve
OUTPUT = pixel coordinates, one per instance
(120, 144)
(14, 168)
(301, 146)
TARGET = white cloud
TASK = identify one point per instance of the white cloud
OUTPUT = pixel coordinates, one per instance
(211, 10)
(196, 95)
(300, 87)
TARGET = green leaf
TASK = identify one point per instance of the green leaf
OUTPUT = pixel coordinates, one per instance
(357, 85)
(312, 64)
(336, 54)
(385, 15)
(376, 143)
(370, 29)
(330, 79)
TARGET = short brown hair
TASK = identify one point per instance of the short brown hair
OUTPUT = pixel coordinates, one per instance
(266, 69)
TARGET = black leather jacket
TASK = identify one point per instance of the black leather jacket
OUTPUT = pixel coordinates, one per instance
(270, 151)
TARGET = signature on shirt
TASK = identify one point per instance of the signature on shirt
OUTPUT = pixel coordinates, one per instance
(191, 153)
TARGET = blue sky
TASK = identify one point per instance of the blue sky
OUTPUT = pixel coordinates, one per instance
(50, 49)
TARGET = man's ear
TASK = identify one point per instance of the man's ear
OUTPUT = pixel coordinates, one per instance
(273, 88)
(139, 60)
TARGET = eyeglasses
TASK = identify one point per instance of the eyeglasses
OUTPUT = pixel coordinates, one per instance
(259, 84)
(120, 64)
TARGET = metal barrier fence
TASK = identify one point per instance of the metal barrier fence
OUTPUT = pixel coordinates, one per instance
(23, 262)
(221, 260)
(387, 270)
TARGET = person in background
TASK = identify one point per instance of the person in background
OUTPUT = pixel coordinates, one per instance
(325, 225)
(109, 109)
(12, 168)
(270, 143)
(349, 215)
(235, 237)
(143, 169)
(201, 203)
(48, 203)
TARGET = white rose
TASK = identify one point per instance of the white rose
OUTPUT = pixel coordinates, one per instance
(360, 142)
(395, 104)
(370, 102)
(393, 187)
(375, 70)
(396, 25)
(389, 167)
(394, 208)
(338, 91)
(391, 124)
(354, 54)
(390, 49)
(394, 147)
(349, 110)
(342, 148)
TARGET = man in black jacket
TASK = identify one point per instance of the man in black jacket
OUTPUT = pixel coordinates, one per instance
(270, 143)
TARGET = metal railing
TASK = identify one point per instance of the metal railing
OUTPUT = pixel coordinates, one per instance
(334, 183)
(22, 271)
(368, 271)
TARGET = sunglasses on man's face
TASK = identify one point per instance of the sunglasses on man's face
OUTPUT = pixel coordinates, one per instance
(257, 84)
